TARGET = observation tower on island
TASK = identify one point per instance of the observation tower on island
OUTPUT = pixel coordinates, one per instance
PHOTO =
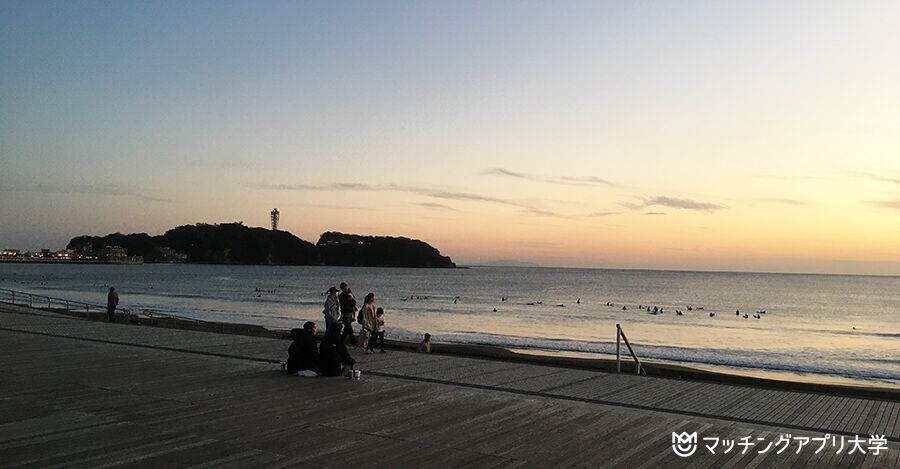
(275, 216)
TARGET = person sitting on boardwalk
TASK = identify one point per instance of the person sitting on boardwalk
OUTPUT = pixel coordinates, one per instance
(334, 359)
(303, 354)
(112, 300)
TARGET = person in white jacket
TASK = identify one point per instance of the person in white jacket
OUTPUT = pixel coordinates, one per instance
(332, 311)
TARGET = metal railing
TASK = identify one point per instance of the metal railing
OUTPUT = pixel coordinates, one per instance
(132, 315)
(620, 336)
(33, 300)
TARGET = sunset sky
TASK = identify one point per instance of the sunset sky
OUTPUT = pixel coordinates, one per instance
(750, 135)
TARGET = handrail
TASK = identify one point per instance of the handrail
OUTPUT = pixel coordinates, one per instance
(34, 298)
(49, 299)
(620, 335)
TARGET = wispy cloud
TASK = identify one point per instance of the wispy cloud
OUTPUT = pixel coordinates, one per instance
(512, 174)
(464, 196)
(600, 214)
(436, 205)
(87, 189)
(675, 202)
(794, 202)
(223, 164)
(688, 204)
(877, 177)
(316, 187)
(442, 194)
(654, 213)
(542, 212)
(582, 181)
(561, 180)
(895, 204)
(777, 177)
(324, 206)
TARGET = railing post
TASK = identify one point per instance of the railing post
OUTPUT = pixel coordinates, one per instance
(67, 306)
(637, 361)
(30, 301)
(618, 345)
(13, 297)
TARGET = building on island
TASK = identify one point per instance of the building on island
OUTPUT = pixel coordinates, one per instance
(170, 255)
(64, 255)
(275, 215)
(118, 255)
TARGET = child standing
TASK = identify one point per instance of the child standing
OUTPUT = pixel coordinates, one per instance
(425, 346)
(379, 329)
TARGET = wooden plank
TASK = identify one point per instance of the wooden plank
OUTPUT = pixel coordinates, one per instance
(875, 416)
(594, 388)
(851, 412)
(732, 396)
(777, 411)
(798, 404)
(861, 422)
(648, 392)
(815, 407)
(808, 402)
(837, 405)
(895, 416)
(886, 413)
(750, 403)
(505, 375)
(652, 436)
(550, 382)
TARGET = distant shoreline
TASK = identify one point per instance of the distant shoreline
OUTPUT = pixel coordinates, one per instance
(457, 267)
(685, 271)
(50, 261)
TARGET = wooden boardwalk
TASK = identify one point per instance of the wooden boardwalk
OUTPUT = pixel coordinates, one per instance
(92, 394)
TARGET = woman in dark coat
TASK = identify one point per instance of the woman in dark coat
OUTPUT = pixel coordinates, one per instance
(303, 354)
(333, 355)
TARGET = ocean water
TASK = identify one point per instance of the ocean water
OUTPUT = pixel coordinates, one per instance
(815, 327)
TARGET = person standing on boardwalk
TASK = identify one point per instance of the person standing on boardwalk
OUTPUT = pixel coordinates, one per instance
(348, 309)
(379, 329)
(112, 300)
(332, 312)
(369, 321)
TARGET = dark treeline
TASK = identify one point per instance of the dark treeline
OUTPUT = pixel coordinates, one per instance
(234, 243)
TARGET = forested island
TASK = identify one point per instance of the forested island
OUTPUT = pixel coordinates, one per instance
(235, 243)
